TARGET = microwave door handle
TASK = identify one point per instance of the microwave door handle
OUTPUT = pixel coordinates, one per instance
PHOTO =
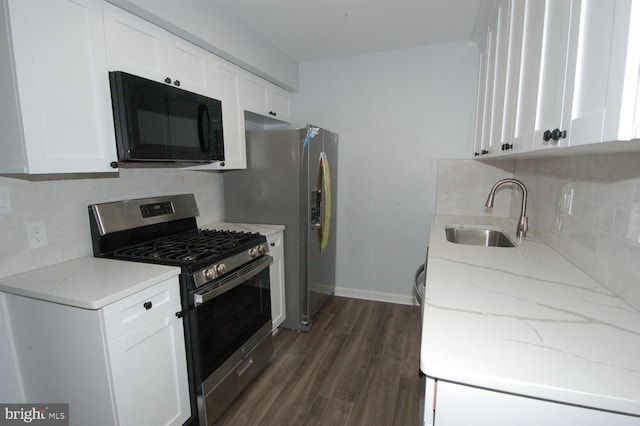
(204, 139)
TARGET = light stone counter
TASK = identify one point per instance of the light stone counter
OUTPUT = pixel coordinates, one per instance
(87, 282)
(526, 321)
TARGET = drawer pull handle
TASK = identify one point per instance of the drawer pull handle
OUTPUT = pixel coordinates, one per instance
(147, 305)
(245, 367)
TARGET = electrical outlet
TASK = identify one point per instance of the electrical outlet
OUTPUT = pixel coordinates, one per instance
(566, 200)
(37, 233)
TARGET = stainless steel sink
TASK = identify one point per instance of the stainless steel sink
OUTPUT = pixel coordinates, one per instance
(478, 236)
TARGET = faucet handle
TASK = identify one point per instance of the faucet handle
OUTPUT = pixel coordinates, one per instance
(523, 226)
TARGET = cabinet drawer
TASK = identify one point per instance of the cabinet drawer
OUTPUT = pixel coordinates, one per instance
(275, 241)
(134, 311)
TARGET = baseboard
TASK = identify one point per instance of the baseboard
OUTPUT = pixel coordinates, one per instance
(377, 296)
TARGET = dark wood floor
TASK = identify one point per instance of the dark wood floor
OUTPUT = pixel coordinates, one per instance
(358, 366)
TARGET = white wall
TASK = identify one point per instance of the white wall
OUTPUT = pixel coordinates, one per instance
(397, 113)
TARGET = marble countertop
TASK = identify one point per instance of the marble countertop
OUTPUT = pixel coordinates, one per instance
(526, 321)
(264, 229)
(87, 282)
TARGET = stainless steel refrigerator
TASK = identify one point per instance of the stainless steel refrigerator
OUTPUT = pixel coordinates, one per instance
(291, 179)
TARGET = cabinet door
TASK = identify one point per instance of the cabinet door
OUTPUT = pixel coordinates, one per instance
(135, 45)
(487, 86)
(529, 72)
(554, 95)
(516, 9)
(188, 66)
(499, 85)
(61, 74)
(141, 48)
(482, 111)
(150, 373)
(224, 81)
(623, 91)
(465, 405)
(254, 94)
(280, 102)
(606, 70)
(226, 87)
(276, 276)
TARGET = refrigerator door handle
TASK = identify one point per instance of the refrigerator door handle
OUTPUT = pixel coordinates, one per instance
(325, 185)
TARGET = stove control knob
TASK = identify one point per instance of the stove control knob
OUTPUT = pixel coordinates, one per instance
(254, 252)
(221, 268)
(209, 273)
(262, 249)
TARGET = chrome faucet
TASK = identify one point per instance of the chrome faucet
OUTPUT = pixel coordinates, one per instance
(523, 222)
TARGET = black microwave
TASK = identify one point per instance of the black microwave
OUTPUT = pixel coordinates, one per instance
(157, 122)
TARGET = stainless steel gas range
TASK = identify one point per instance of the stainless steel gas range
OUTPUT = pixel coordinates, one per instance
(224, 284)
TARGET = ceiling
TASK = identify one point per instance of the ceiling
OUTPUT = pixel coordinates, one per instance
(311, 30)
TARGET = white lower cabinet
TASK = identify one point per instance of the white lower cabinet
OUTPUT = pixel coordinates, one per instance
(450, 404)
(276, 276)
(124, 364)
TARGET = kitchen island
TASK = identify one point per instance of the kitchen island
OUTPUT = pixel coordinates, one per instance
(522, 335)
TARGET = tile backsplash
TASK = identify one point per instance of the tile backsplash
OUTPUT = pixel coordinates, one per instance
(601, 235)
(463, 187)
(62, 206)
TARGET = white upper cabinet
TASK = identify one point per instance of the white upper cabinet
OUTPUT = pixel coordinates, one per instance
(570, 77)
(226, 87)
(224, 80)
(528, 19)
(498, 110)
(261, 97)
(554, 89)
(607, 68)
(134, 45)
(514, 21)
(187, 66)
(589, 77)
(55, 112)
(492, 84)
(138, 47)
(141, 48)
(485, 92)
(280, 103)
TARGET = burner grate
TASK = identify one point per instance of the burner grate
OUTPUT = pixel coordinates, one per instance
(189, 247)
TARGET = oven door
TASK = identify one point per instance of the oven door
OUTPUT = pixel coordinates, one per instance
(232, 335)
(230, 311)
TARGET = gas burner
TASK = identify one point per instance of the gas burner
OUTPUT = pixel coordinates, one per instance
(190, 247)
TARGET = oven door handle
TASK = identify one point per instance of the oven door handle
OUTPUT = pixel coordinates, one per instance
(234, 280)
